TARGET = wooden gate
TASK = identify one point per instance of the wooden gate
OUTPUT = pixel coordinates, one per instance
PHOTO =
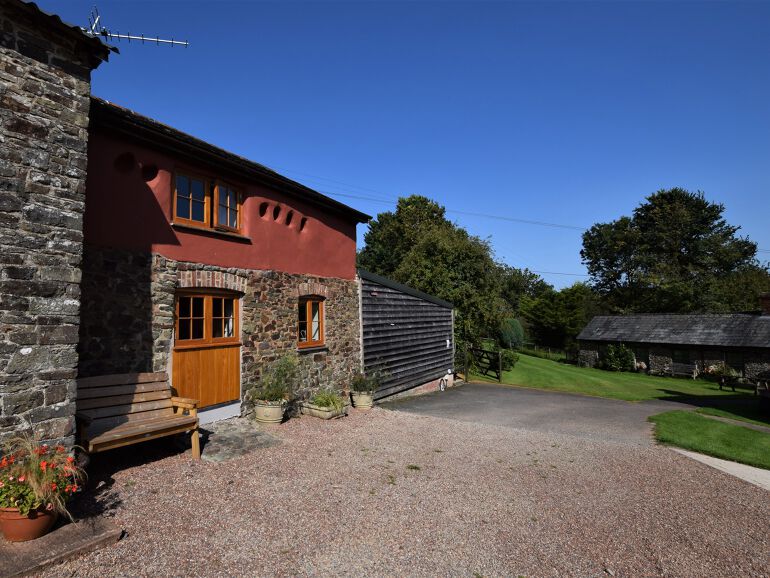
(207, 352)
(488, 363)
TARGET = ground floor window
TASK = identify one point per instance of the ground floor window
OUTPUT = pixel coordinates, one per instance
(206, 319)
(310, 322)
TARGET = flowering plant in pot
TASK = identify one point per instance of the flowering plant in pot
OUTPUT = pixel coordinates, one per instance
(36, 482)
(271, 395)
(362, 389)
(325, 404)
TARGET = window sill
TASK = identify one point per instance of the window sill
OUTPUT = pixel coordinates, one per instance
(211, 232)
(314, 349)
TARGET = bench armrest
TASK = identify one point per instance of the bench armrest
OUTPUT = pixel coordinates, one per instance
(184, 402)
(84, 418)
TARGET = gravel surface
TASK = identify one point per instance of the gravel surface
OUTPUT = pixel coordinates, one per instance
(387, 493)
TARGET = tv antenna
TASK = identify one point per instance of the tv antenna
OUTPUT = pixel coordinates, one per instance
(97, 29)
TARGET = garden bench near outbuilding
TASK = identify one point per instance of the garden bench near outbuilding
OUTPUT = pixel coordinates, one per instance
(128, 408)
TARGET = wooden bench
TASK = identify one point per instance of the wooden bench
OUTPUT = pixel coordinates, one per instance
(129, 408)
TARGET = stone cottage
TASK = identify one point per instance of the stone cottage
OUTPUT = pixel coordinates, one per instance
(128, 246)
(681, 344)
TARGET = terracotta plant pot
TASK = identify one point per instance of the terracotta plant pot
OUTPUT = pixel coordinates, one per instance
(307, 408)
(18, 528)
(269, 411)
(362, 399)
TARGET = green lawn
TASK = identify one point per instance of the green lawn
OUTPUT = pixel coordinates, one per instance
(691, 431)
(552, 375)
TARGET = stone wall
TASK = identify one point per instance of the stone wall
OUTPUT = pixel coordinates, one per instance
(128, 316)
(588, 356)
(44, 103)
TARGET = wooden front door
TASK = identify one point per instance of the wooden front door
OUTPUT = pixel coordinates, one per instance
(207, 348)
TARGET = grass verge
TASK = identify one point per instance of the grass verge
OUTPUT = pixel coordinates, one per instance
(551, 375)
(688, 430)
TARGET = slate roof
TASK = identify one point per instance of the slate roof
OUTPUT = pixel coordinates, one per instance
(735, 330)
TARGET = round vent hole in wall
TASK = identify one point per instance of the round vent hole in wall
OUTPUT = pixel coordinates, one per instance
(276, 212)
(149, 172)
(302, 224)
(289, 217)
(263, 209)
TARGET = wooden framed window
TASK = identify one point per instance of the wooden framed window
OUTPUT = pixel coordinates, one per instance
(310, 322)
(206, 203)
(206, 319)
(191, 200)
(228, 207)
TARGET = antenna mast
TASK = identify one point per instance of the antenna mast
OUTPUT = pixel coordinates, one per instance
(96, 29)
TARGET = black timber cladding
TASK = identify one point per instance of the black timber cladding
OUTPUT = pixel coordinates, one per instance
(407, 334)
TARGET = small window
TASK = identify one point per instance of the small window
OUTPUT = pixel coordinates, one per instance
(228, 207)
(206, 319)
(191, 203)
(310, 322)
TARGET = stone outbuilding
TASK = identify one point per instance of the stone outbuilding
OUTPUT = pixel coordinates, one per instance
(680, 344)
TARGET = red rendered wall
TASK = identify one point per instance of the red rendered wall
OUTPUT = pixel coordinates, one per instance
(125, 211)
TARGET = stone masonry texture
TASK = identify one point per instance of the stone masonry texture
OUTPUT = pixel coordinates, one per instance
(127, 322)
(44, 103)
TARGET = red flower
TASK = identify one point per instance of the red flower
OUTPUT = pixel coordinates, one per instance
(54, 486)
(22, 478)
(60, 449)
(43, 465)
(70, 459)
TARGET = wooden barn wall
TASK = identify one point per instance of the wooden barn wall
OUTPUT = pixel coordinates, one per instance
(405, 337)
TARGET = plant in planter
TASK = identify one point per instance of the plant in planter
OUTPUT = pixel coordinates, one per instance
(362, 390)
(36, 481)
(270, 397)
(325, 404)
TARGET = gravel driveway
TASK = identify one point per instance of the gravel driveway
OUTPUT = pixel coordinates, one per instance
(389, 493)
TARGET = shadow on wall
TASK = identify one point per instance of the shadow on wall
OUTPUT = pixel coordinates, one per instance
(116, 320)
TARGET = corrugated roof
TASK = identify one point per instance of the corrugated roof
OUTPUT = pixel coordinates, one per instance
(735, 330)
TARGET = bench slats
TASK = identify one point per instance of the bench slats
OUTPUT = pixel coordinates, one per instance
(120, 379)
(128, 410)
(91, 392)
(99, 426)
(119, 400)
(148, 426)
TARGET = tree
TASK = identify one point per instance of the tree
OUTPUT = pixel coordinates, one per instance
(417, 245)
(675, 254)
(556, 317)
(392, 235)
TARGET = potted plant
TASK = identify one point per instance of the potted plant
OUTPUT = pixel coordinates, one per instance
(36, 481)
(325, 404)
(362, 390)
(271, 396)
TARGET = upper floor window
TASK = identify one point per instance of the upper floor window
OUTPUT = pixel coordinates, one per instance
(310, 322)
(204, 203)
(228, 207)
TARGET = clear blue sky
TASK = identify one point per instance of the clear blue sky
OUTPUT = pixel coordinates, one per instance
(564, 112)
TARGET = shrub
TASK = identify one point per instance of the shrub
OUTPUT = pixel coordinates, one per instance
(509, 359)
(619, 358)
(722, 370)
(363, 383)
(327, 398)
(511, 333)
(278, 380)
(36, 476)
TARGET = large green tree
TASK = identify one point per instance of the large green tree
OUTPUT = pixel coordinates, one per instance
(554, 318)
(675, 254)
(417, 245)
